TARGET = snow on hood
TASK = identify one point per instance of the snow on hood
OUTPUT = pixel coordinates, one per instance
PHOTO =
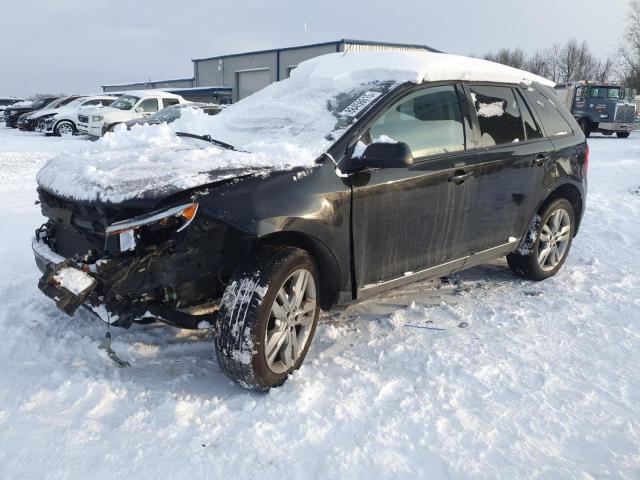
(284, 125)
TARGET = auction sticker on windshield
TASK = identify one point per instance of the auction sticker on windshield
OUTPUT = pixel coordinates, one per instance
(358, 105)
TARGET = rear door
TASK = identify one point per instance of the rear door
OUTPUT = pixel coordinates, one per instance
(410, 219)
(514, 156)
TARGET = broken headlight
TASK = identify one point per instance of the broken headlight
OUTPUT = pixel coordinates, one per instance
(163, 223)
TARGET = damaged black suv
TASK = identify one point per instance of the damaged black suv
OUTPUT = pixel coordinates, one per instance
(415, 178)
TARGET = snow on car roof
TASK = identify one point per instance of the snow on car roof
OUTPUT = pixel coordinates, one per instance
(416, 67)
(285, 125)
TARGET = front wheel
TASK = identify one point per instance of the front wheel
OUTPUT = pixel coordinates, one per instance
(267, 317)
(622, 134)
(585, 125)
(65, 129)
(547, 244)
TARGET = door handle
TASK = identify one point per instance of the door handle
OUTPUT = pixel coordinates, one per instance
(459, 177)
(541, 159)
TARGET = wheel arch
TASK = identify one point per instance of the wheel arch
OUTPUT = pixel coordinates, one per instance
(571, 193)
(62, 120)
(326, 262)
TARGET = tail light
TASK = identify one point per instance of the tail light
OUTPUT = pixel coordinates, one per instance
(585, 165)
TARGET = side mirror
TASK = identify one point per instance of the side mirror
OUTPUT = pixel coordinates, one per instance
(139, 110)
(384, 155)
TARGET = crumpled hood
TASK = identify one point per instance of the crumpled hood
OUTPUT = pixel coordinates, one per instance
(149, 163)
(43, 113)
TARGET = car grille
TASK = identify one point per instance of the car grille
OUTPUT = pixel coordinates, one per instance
(83, 119)
(625, 113)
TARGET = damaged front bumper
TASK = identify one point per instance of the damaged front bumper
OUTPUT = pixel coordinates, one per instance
(74, 284)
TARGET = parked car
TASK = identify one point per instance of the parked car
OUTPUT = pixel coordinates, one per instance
(425, 164)
(29, 121)
(13, 112)
(64, 121)
(7, 101)
(172, 113)
(127, 107)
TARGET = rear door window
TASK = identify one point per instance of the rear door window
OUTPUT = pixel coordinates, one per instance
(429, 121)
(553, 123)
(498, 115)
(149, 105)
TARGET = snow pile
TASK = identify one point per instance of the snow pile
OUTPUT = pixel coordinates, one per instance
(282, 126)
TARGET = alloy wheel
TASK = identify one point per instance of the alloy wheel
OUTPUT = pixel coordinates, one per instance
(65, 129)
(290, 321)
(554, 239)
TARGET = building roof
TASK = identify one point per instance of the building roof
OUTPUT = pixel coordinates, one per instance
(149, 82)
(336, 42)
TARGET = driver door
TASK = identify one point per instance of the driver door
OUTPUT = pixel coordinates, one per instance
(413, 218)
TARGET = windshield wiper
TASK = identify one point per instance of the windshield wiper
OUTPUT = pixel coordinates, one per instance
(207, 138)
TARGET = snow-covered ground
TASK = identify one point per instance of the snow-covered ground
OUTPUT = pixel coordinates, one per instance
(512, 379)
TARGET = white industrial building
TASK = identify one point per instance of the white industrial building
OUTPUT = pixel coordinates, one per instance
(226, 78)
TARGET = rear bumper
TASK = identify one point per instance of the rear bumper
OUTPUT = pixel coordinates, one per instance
(619, 127)
(26, 126)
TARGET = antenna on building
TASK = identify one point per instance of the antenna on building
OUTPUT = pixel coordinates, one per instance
(305, 32)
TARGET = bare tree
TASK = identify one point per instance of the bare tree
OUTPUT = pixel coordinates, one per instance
(630, 50)
(560, 63)
(603, 69)
(576, 62)
(513, 58)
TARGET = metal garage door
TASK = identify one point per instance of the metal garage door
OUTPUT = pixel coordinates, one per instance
(250, 81)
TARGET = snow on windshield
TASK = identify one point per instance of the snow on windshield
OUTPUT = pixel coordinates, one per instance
(125, 102)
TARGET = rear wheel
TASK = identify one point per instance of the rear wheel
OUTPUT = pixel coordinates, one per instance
(622, 134)
(64, 128)
(268, 317)
(585, 125)
(547, 244)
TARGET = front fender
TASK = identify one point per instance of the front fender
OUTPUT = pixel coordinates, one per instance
(312, 201)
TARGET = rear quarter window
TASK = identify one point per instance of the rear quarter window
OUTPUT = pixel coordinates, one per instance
(553, 122)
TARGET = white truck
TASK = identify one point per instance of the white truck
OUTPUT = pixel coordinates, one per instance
(131, 105)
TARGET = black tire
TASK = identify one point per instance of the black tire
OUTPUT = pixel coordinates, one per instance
(61, 126)
(244, 316)
(112, 127)
(623, 134)
(585, 125)
(524, 261)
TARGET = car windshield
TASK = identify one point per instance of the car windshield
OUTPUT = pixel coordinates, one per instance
(125, 102)
(606, 92)
(41, 102)
(297, 113)
(54, 103)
